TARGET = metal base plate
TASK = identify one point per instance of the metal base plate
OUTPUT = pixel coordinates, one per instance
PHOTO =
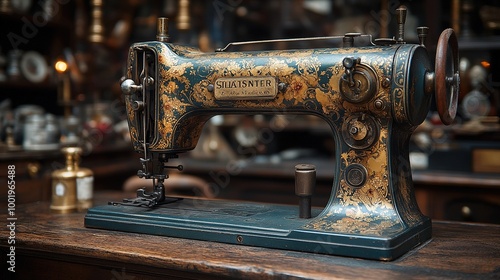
(254, 224)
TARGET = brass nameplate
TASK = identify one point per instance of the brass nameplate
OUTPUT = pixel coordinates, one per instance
(245, 88)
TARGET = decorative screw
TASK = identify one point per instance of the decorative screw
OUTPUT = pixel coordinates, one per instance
(282, 87)
(386, 82)
(354, 130)
(379, 104)
(210, 87)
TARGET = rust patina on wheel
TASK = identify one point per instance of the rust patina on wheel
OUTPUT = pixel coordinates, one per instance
(447, 79)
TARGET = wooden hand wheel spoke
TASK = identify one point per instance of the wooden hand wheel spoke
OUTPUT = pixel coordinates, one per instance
(447, 78)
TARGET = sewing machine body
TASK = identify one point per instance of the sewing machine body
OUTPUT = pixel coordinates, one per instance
(372, 108)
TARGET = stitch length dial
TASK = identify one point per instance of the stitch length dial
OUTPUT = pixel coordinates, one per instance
(360, 131)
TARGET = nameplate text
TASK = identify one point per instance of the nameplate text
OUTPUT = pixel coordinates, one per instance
(245, 88)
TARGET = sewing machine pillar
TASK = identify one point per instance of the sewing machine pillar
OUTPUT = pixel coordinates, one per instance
(305, 181)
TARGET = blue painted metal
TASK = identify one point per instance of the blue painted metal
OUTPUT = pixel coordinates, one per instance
(378, 219)
(253, 224)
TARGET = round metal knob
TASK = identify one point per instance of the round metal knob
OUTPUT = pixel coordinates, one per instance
(137, 105)
(360, 131)
(350, 62)
(34, 169)
(355, 175)
(128, 86)
(359, 83)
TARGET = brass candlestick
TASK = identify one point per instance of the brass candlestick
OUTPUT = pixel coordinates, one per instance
(64, 88)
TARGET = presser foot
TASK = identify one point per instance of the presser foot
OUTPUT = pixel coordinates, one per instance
(143, 202)
(144, 199)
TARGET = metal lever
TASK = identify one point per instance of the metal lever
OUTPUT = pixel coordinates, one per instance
(143, 172)
(350, 66)
(129, 87)
(178, 167)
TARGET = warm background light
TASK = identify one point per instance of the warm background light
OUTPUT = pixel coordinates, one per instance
(485, 64)
(61, 66)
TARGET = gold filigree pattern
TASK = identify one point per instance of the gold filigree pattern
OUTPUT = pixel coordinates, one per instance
(185, 100)
(398, 93)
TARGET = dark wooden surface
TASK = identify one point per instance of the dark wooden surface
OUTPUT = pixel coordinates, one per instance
(56, 246)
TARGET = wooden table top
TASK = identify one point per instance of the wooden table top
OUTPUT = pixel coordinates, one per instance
(457, 250)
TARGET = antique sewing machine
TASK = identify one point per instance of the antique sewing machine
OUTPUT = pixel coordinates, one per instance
(373, 96)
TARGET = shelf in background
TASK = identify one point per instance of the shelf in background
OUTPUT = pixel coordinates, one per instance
(23, 84)
(479, 43)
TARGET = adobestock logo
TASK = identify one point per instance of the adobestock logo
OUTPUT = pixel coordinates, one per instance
(40, 18)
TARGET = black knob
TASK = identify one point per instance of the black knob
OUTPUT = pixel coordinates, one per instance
(350, 62)
(355, 175)
(137, 105)
(422, 32)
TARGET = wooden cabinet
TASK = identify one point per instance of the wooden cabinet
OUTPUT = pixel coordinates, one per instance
(31, 180)
(459, 196)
